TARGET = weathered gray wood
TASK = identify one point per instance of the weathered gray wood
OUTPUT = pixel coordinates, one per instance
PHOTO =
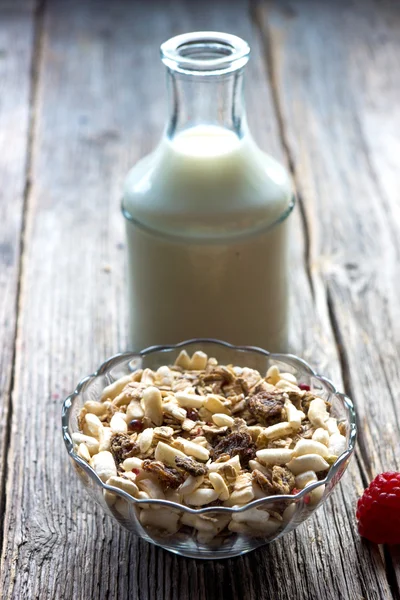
(16, 48)
(344, 171)
(336, 74)
(100, 105)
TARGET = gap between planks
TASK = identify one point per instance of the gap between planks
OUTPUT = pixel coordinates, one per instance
(38, 16)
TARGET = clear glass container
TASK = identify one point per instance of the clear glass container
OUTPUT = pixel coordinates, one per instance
(177, 527)
(206, 212)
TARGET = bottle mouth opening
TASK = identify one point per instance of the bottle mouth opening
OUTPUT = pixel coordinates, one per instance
(205, 53)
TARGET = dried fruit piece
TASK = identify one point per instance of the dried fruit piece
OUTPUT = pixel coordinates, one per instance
(268, 407)
(304, 387)
(229, 473)
(167, 476)
(306, 399)
(281, 480)
(237, 443)
(123, 447)
(192, 414)
(219, 372)
(136, 425)
(236, 388)
(191, 466)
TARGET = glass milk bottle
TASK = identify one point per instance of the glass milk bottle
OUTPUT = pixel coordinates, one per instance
(207, 211)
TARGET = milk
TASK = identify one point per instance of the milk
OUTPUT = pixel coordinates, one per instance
(207, 242)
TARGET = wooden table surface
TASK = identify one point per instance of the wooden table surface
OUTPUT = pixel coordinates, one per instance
(81, 99)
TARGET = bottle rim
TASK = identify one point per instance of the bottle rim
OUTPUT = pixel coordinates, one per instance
(205, 53)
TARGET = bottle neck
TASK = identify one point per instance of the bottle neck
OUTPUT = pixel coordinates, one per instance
(205, 81)
(197, 100)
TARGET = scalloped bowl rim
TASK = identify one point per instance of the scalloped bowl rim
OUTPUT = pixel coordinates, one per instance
(67, 404)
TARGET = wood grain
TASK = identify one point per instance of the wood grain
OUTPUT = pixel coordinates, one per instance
(335, 83)
(100, 105)
(16, 50)
(344, 172)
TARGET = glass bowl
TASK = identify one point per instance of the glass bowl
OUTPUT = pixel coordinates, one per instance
(179, 528)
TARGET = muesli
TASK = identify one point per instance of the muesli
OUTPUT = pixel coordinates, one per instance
(203, 434)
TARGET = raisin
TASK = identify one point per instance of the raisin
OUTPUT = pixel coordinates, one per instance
(123, 447)
(191, 466)
(192, 414)
(236, 443)
(136, 425)
(268, 407)
(167, 476)
(280, 480)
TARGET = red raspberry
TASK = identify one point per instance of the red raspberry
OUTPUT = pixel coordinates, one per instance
(378, 510)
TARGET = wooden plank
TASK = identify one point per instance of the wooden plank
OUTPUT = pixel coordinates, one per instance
(16, 51)
(100, 106)
(336, 83)
(331, 119)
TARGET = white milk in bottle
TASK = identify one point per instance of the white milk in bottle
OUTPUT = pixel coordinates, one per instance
(206, 212)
